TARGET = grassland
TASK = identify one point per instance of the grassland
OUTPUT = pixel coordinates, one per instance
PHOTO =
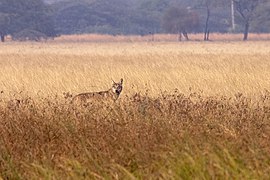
(188, 110)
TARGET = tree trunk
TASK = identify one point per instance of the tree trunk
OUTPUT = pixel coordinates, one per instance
(246, 31)
(207, 36)
(180, 36)
(232, 15)
(206, 30)
(185, 35)
(2, 38)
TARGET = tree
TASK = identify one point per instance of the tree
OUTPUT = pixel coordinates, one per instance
(103, 16)
(20, 15)
(148, 14)
(180, 21)
(262, 23)
(4, 21)
(232, 15)
(209, 6)
(246, 9)
(6, 17)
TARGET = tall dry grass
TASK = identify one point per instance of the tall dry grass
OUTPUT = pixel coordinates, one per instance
(214, 68)
(188, 111)
(173, 136)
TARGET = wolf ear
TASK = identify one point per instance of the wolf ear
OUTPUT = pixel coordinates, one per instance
(121, 81)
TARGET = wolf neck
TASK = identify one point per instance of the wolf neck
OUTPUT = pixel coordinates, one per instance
(113, 94)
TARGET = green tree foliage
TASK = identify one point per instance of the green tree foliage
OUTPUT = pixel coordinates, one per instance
(20, 15)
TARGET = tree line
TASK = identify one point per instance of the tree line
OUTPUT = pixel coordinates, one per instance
(41, 19)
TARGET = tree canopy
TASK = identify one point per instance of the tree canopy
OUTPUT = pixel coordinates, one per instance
(247, 12)
(48, 18)
(180, 21)
(22, 15)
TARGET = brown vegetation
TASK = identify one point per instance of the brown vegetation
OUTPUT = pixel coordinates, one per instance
(171, 136)
(215, 125)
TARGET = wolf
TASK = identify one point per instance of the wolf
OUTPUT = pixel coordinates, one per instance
(90, 98)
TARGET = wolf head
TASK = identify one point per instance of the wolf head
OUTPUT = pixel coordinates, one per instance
(117, 87)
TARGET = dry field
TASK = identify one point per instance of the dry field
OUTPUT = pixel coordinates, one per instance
(214, 68)
(190, 110)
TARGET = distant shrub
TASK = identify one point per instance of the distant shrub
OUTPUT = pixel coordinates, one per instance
(29, 35)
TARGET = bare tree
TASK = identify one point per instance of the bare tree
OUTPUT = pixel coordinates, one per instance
(209, 5)
(180, 21)
(246, 10)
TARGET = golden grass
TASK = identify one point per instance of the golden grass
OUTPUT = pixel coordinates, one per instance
(214, 68)
(216, 125)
